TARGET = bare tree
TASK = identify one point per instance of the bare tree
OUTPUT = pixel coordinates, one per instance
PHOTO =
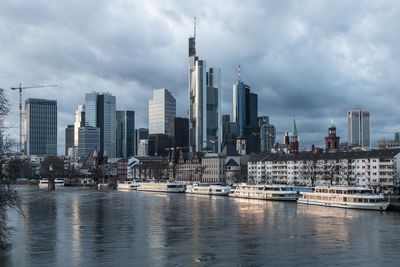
(8, 197)
(310, 171)
(346, 172)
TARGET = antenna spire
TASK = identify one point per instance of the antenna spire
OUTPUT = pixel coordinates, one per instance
(239, 73)
(194, 27)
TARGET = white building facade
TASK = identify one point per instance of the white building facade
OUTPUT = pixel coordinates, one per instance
(376, 168)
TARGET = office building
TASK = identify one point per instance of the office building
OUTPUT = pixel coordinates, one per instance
(267, 134)
(79, 122)
(162, 106)
(179, 133)
(125, 133)
(143, 147)
(158, 145)
(230, 131)
(140, 134)
(40, 127)
(359, 128)
(245, 114)
(89, 140)
(100, 112)
(205, 103)
(69, 138)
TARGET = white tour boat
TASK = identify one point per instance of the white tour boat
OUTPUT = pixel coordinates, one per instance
(167, 187)
(208, 189)
(127, 185)
(265, 192)
(44, 183)
(344, 197)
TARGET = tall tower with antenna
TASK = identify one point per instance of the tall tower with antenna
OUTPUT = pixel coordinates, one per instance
(204, 102)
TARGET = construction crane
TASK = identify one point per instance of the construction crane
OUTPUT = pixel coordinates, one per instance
(20, 88)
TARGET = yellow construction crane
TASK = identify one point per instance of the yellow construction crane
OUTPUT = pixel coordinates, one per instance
(20, 88)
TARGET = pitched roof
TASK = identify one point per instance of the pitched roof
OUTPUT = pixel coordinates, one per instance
(231, 163)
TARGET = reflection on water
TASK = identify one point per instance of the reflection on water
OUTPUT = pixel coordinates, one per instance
(80, 227)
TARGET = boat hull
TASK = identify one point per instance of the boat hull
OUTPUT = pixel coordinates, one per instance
(265, 198)
(363, 206)
(207, 193)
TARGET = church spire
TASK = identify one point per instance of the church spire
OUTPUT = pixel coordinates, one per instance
(294, 132)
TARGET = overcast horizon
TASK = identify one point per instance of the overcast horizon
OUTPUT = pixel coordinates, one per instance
(310, 59)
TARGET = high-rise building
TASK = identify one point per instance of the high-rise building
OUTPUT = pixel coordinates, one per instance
(69, 138)
(89, 140)
(204, 103)
(158, 145)
(359, 128)
(140, 134)
(230, 131)
(143, 147)
(244, 107)
(397, 136)
(40, 127)
(125, 133)
(179, 133)
(100, 112)
(79, 122)
(267, 134)
(162, 106)
(245, 114)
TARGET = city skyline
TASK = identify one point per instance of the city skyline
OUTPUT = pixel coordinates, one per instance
(299, 62)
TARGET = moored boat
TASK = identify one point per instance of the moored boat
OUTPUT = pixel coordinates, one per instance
(44, 183)
(167, 187)
(127, 185)
(208, 189)
(344, 197)
(264, 191)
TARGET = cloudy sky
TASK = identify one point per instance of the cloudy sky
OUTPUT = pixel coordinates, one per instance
(309, 59)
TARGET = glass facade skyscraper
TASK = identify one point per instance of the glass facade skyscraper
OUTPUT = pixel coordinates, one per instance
(162, 106)
(359, 128)
(69, 138)
(204, 104)
(125, 133)
(79, 122)
(40, 127)
(100, 112)
(89, 140)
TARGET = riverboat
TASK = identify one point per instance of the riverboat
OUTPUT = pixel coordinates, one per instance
(264, 192)
(344, 197)
(167, 187)
(44, 183)
(127, 185)
(208, 189)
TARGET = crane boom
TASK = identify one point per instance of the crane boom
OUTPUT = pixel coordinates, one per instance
(20, 88)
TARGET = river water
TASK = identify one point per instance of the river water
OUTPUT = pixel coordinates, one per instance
(83, 227)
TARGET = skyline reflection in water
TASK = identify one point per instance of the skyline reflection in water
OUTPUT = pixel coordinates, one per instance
(81, 227)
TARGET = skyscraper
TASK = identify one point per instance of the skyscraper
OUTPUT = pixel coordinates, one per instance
(140, 134)
(79, 122)
(125, 133)
(267, 134)
(40, 127)
(245, 114)
(179, 133)
(162, 106)
(69, 138)
(100, 112)
(359, 128)
(89, 140)
(204, 103)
